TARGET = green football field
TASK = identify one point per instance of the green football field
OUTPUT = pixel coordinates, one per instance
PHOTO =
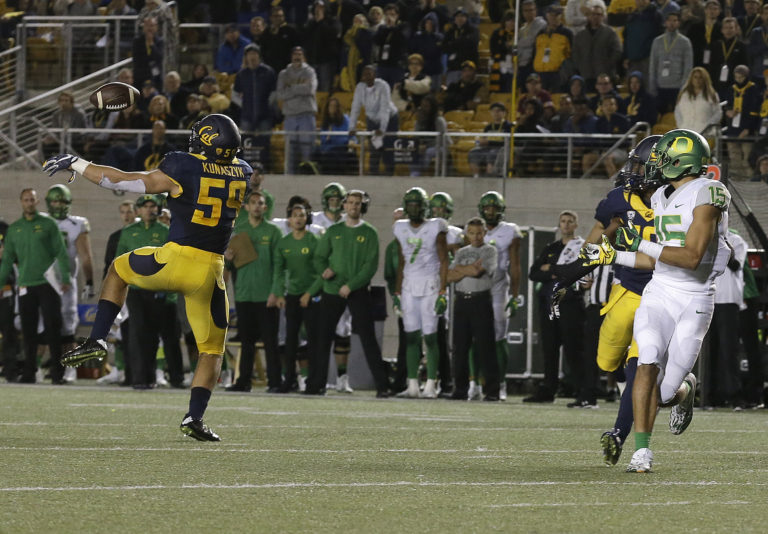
(93, 459)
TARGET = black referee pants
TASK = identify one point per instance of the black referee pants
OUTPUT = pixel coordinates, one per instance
(330, 309)
(10, 340)
(473, 325)
(37, 299)
(568, 332)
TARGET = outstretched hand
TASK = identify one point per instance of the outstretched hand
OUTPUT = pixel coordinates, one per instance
(61, 162)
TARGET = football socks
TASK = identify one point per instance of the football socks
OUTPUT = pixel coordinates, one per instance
(642, 440)
(198, 402)
(625, 417)
(106, 312)
(413, 352)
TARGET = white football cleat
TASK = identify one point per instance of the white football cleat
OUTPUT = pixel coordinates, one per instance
(302, 383)
(342, 384)
(70, 375)
(641, 462)
(475, 391)
(430, 391)
(412, 391)
(160, 378)
(503, 390)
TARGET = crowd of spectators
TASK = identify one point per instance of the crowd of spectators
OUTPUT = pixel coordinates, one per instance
(639, 54)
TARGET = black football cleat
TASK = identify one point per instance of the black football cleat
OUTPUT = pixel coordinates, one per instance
(90, 349)
(195, 428)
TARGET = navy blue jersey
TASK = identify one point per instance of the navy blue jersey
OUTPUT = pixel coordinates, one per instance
(203, 213)
(628, 207)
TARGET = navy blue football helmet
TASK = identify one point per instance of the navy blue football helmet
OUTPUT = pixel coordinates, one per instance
(215, 136)
(632, 175)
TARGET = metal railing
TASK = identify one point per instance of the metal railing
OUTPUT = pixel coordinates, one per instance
(20, 124)
(10, 83)
(623, 140)
(448, 154)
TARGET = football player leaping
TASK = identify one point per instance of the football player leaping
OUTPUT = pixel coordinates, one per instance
(205, 188)
(505, 236)
(420, 286)
(690, 215)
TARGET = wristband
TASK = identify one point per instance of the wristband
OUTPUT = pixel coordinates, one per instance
(627, 259)
(649, 248)
(79, 165)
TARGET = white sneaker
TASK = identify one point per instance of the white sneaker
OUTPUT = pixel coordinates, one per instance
(475, 391)
(503, 390)
(412, 391)
(70, 375)
(109, 378)
(302, 383)
(225, 378)
(430, 391)
(682, 413)
(641, 461)
(160, 378)
(342, 384)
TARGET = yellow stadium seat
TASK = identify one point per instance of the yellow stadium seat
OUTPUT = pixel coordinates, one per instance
(482, 116)
(345, 99)
(459, 116)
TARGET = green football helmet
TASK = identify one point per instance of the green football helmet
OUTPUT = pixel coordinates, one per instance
(492, 199)
(443, 201)
(416, 195)
(58, 193)
(333, 189)
(677, 154)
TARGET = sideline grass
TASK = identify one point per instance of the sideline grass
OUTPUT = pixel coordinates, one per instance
(93, 459)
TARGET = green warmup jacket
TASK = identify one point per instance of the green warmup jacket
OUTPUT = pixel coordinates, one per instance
(293, 261)
(254, 279)
(34, 244)
(351, 252)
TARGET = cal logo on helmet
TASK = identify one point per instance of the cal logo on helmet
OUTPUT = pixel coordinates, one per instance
(207, 138)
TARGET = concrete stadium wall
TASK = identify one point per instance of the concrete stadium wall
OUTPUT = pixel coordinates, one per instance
(530, 202)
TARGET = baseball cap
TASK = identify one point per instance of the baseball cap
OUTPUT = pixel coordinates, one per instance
(143, 199)
(469, 64)
(231, 27)
(533, 77)
(555, 8)
(498, 105)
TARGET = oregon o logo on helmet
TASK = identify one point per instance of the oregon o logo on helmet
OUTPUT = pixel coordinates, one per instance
(686, 143)
(207, 138)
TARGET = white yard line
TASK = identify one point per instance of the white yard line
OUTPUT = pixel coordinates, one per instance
(290, 485)
(582, 504)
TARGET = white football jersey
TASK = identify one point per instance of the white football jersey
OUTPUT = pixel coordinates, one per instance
(72, 226)
(321, 219)
(286, 229)
(501, 237)
(673, 216)
(419, 246)
(455, 236)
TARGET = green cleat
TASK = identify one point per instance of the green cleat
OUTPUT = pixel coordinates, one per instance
(90, 349)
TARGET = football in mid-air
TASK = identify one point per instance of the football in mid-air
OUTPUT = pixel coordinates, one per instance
(114, 96)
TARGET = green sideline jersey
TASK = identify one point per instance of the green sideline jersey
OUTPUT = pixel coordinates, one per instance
(242, 215)
(139, 235)
(351, 252)
(293, 263)
(34, 244)
(254, 279)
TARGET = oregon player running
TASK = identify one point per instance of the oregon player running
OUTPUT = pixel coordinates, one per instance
(690, 215)
(205, 190)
